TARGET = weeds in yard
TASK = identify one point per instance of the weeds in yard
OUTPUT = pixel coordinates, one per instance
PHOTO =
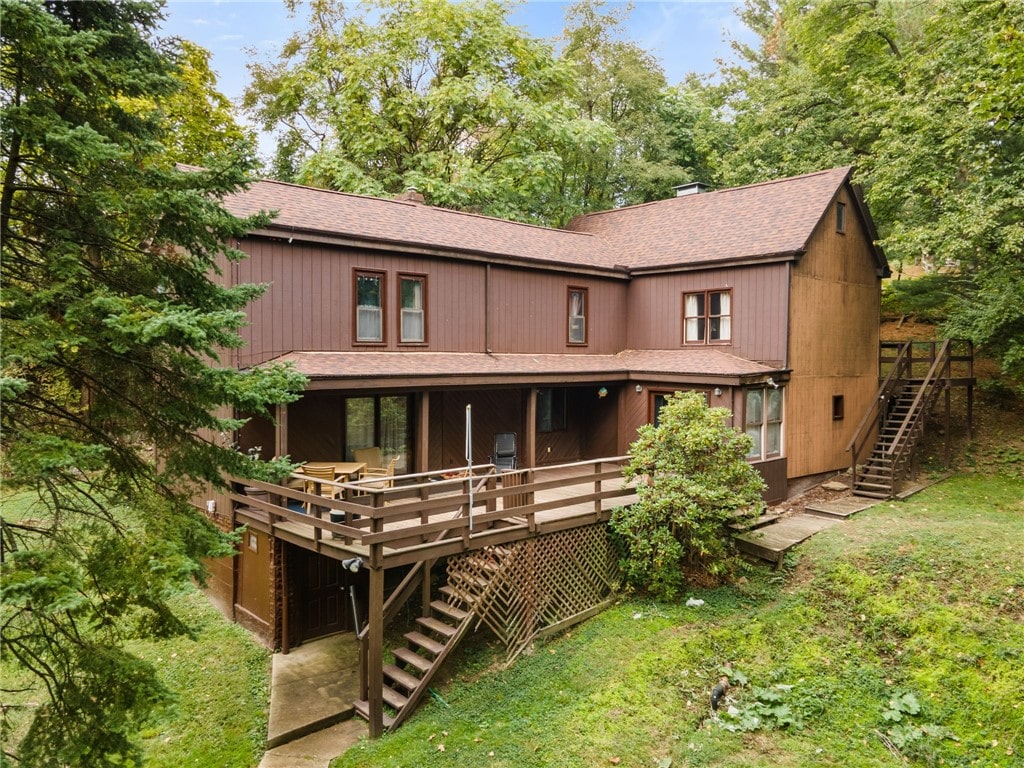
(900, 632)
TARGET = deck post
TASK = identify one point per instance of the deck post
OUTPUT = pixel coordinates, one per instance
(529, 458)
(281, 431)
(375, 644)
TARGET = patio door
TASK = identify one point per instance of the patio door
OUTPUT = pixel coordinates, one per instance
(381, 421)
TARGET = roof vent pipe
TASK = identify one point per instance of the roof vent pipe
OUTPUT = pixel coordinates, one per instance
(411, 195)
(692, 188)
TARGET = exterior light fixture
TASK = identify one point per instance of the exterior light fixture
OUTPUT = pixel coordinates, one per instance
(718, 391)
(353, 564)
(639, 389)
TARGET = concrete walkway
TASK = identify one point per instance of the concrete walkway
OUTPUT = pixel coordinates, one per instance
(311, 712)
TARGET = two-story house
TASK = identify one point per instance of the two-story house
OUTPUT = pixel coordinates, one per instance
(765, 298)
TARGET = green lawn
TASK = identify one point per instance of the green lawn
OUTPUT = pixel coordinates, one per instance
(897, 634)
(220, 680)
(222, 684)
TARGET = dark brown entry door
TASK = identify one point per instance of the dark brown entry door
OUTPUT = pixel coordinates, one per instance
(320, 596)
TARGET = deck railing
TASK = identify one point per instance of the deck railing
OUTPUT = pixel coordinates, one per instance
(426, 515)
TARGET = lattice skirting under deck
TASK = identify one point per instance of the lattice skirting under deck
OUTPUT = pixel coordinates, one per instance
(551, 581)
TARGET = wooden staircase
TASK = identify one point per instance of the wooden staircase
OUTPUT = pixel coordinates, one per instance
(900, 411)
(893, 451)
(408, 678)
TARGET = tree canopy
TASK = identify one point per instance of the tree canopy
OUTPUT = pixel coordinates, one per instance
(447, 97)
(110, 372)
(925, 101)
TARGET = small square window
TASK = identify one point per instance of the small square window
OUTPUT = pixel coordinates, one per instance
(707, 317)
(840, 217)
(838, 407)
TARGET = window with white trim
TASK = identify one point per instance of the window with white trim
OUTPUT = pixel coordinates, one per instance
(369, 307)
(707, 317)
(763, 422)
(577, 315)
(412, 292)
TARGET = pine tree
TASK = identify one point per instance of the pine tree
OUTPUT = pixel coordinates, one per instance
(114, 322)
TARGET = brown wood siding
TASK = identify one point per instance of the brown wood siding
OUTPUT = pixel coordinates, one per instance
(255, 587)
(774, 472)
(316, 426)
(833, 346)
(493, 411)
(759, 309)
(308, 305)
(529, 313)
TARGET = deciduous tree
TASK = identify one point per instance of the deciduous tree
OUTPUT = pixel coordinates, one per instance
(924, 100)
(448, 97)
(112, 330)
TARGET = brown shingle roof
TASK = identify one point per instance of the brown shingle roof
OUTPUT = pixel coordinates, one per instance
(760, 221)
(629, 363)
(774, 218)
(405, 223)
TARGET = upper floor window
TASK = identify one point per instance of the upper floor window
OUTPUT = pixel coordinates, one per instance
(369, 306)
(577, 315)
(707, 317)
(413, 316)
(763, 422)
(840, 217)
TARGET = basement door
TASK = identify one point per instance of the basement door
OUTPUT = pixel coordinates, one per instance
(319, 597)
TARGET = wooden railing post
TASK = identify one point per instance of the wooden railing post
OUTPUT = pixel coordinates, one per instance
(375, 645)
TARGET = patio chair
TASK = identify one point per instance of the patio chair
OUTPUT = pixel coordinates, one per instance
(313, 477)
(370, 456)
(386, 475)
(504, 456)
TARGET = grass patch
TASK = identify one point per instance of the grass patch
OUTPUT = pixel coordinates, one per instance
(221, 681)
(899, 634)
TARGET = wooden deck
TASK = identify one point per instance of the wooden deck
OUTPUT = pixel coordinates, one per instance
(430, 515)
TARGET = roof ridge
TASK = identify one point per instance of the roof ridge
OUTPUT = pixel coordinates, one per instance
(705, 195)
(435, 208)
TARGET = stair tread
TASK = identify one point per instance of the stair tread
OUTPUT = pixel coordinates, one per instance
(400, 676)
(413, 659)
(451, 611)
(362, 707)
(424, 642)
(393, 698)
(457, 594)
(436, 625)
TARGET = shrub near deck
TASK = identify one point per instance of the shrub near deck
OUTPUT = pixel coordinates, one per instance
(899, 632)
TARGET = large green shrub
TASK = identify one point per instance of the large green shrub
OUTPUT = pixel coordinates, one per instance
(693, 480)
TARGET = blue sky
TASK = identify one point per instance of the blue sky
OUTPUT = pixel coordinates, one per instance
(686, 35)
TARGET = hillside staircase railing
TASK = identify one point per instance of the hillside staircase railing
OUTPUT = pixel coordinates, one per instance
(895, 423)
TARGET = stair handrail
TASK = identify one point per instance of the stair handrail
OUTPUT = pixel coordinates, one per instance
(897, 375)
(910, 420)
(909, 426)
(449, 646)
(396, 600)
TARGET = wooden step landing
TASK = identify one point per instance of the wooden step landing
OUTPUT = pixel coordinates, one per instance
(839, 508)
(773, 541)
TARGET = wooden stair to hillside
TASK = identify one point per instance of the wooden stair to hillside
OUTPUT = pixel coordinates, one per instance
(894, 449)
(408, 677)
(901, 409)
